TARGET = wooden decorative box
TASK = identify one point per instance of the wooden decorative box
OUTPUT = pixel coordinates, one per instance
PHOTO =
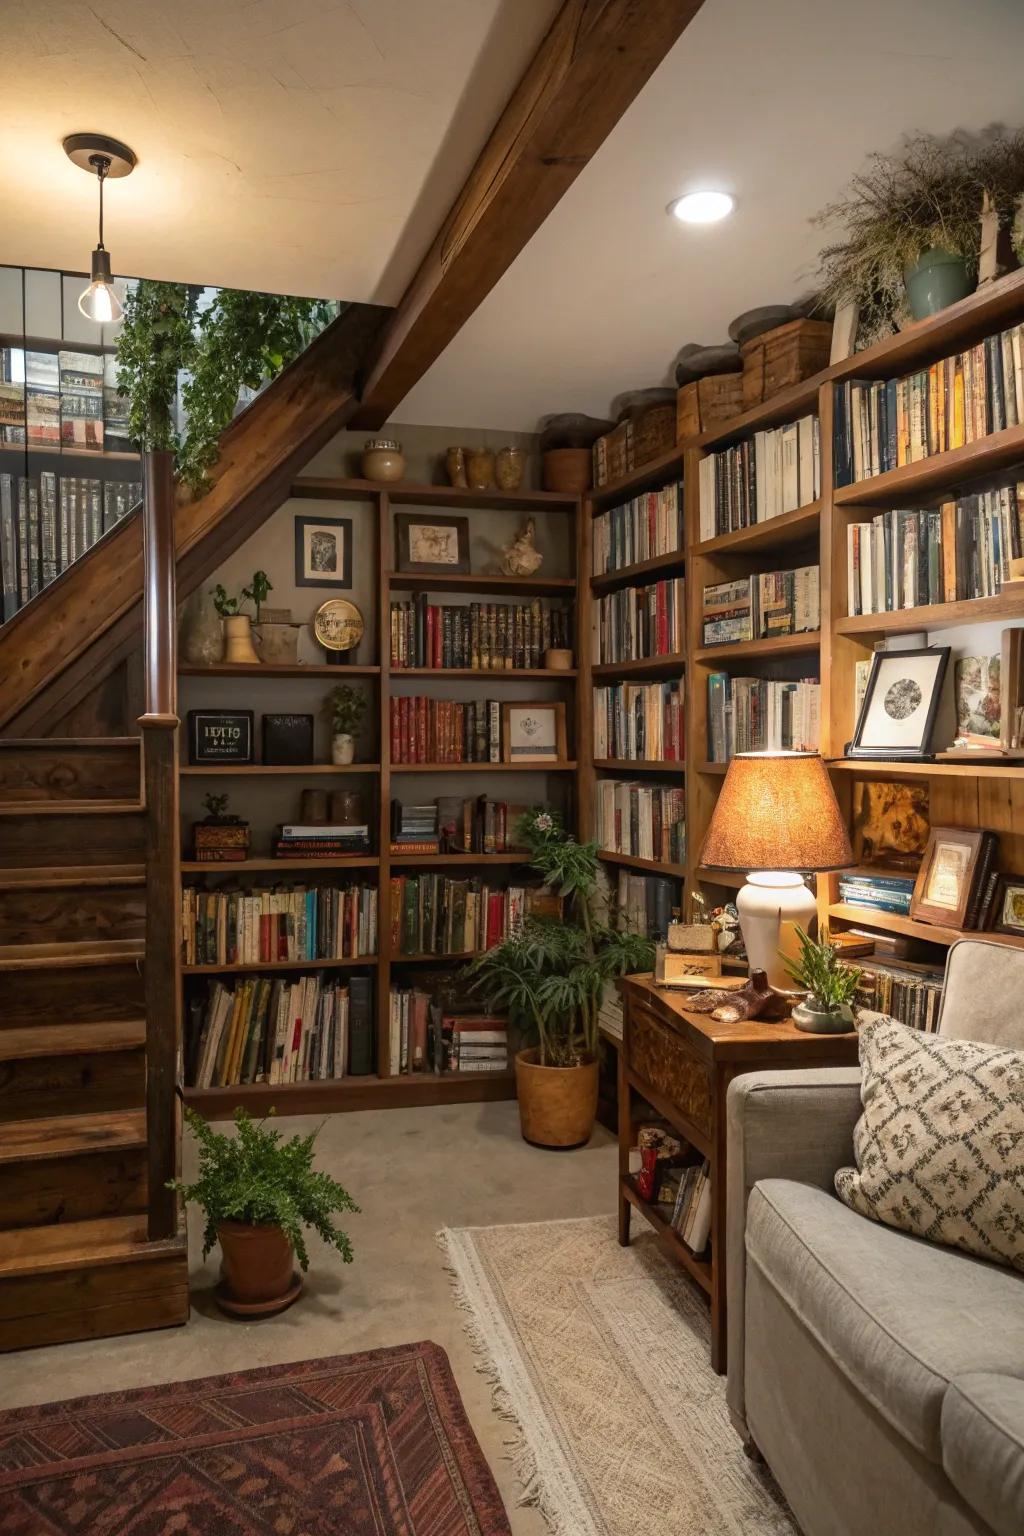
(776, 359)
(654, 431)
(613, 454)
(707, 403)
(220, 842)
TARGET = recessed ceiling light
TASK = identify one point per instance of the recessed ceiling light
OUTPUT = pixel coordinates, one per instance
(702, 207)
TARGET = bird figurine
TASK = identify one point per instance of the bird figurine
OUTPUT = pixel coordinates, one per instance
(522, 557)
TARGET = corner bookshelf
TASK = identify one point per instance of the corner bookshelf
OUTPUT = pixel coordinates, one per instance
(386, 1087)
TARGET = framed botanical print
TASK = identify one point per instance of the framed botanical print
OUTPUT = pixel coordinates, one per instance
(1008, 906)
(533, 733)
(323, 552)
(902, 696)
(431, 542)
(945, 880)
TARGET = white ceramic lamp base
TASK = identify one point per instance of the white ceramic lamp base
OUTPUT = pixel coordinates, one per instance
(770, 906)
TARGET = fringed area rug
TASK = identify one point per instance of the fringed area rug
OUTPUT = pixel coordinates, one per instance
(599, 1356)
(376, 1444)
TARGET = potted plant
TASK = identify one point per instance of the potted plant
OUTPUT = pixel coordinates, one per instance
(238, 625)
(258, 1195)
(347, 709)
(549, 977)
(831, 983)
(220, 835)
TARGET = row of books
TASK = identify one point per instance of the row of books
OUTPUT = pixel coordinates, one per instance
(961, 550)
(62, 399)
(433, 914)
(760, 607)
(485, 636)
(272, 1030)
(909, 993)
(760, 714)
(647, 903)
(643, 528)
(426, 730)
(691, 1210)
(883, 424)
(464, 825)
(639, 721)
(640, 622)
(886, 893)
(47, 521)
(281, 923)
(642, 820)
(424, 1036)
(770, 473)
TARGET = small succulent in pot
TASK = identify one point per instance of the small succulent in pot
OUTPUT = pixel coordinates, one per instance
(347, 709)
(831, 984)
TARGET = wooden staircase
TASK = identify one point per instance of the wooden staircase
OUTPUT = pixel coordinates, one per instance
(78, 1255)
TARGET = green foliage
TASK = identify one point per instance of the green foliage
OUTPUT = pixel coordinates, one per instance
(215, 805)
(226, 606)
(155, 341)
(255, 593)
(347, 709)
(830, 980)
(549, 976)
(255, 1177)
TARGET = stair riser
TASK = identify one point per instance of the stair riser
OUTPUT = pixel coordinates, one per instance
(107, 1301)
(32, 841)
(76, 994)
(66, 916)
(72, 1085)
(35, 1193)
(50, 771)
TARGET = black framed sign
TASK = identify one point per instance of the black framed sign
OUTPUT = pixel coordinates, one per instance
(902, 696)
(323, 552)
(220, 736)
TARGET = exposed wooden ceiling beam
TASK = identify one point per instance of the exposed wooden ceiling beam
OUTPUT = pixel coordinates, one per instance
(594, 61)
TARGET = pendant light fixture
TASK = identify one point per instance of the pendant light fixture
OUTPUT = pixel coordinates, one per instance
(101, 157)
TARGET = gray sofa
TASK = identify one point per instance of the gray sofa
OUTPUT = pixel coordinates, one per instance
(880, 1376)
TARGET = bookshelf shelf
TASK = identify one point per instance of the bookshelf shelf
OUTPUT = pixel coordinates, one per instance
(652, 866)
(699, 1269)
(644, 765)
(892, 922)
(247, 967)
(456, 860)
(648, 666)
(565, 767)
(656, 472)
(346, 1093)
(272, 669)
(262, 866)
(879, 768)
(270, 770)
(501, 674)
(456, 957)
(56, 451)
(940, 472)
(776, 645)
(797, 400)
(502, 586)
(660, 565)
(409, 494)
(706, 767)
(775, 533)
(903, 621)
(721, 876)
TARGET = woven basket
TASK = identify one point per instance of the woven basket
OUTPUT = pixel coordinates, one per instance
(566, 470)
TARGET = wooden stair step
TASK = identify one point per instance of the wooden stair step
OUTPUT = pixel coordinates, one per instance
(59, 743)
(87, 1039)
(76, 1245)
(91, 952)
(30, 1141)
(56, 877)
(71, 808)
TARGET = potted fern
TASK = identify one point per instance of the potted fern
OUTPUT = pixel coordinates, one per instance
(259, 1194)
(347, 709)
(830, 981)
(549, 978)
(238, 625)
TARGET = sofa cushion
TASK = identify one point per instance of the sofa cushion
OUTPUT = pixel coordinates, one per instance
(940, 1145)
(983, 1447)
(900, 1317)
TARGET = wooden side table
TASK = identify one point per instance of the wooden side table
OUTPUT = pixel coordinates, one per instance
(682, 1063)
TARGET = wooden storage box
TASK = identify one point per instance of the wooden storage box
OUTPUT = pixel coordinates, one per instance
(654, 432)
(220, 842)
(707, 403)
(613, 454)
(776, 359)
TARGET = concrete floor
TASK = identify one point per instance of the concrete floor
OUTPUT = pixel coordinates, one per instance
(412, 1171)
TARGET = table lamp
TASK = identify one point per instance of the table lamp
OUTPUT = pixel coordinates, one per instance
(777, 819)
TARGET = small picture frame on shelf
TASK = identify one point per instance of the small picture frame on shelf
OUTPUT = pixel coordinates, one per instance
(220, 736)
(1008, 906)
(431, 542)
(323, 551)
(945, 880)
(287, 739)
(900, 702)
(533, 733)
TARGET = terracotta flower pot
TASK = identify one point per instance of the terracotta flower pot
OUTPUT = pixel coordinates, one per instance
(257, 1276)
(557, 1105)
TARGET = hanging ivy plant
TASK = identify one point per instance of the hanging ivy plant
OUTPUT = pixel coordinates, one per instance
(236, 343)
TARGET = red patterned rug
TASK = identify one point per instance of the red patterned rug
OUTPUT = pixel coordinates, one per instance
(376, 1444)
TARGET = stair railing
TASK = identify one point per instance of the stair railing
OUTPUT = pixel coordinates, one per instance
(159, 725)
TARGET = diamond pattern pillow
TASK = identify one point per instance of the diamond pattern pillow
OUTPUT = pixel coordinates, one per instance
(940, 1145)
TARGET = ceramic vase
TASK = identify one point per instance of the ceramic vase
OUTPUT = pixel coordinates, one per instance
(383, 460)
(238, 637)
(343, 750)
(815, 1019)
(938, 278)
(202, 635)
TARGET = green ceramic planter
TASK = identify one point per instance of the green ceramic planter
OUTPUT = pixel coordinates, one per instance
(938, 280)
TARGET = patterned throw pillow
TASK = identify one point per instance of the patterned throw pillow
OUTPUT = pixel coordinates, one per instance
(940, 1145)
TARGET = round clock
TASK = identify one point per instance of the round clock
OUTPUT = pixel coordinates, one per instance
(338, 625)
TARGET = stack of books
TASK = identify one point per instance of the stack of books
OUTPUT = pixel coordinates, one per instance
(910, 993)
(321, 840)
(425, 1037)
(640, 622)
(433, 914)
(305, 1029)
(885, 893)
(425, 730)
(760, 714)
(761, 607)
(414, 828)
(42, 399)
(81, 400)
(484, 636)
(479, 1043)
(637, 721)
(641, 529)
(647, 903)
(644, 821)
(773, 472)
(282, 923)
(882, 424)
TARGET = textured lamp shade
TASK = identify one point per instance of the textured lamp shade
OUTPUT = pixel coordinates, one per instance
(777, 810)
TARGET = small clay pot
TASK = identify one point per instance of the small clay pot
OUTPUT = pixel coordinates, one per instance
(258, 1268)
(383, 460)
(313, 807)
(557, 1105)
(557, 659)
(508, 468)
(568, 470)
(346, 808)
(343, 749)
(455, 466)
(480, 469)
(278, 644)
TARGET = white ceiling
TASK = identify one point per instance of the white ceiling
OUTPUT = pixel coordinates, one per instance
(777, 101)
(297, 146)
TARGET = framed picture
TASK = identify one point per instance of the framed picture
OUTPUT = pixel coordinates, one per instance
(1008, 907)
(220, 736)
(432, 543)
(902, 696)
(323, 552)
(533, 733)
(946, 877)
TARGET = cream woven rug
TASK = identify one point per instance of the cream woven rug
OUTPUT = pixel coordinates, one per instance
(599, 1356)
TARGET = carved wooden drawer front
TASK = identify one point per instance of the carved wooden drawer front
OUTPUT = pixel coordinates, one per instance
(658, 1055)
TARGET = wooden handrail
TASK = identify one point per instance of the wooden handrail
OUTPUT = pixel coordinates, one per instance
(162, 989)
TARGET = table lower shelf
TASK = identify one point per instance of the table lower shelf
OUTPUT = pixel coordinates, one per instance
(697, 1267)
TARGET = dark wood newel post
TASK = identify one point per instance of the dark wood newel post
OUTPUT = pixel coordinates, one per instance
(160, 783)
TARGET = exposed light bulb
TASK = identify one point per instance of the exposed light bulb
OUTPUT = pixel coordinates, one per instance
(702, 207)
(99, 302)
